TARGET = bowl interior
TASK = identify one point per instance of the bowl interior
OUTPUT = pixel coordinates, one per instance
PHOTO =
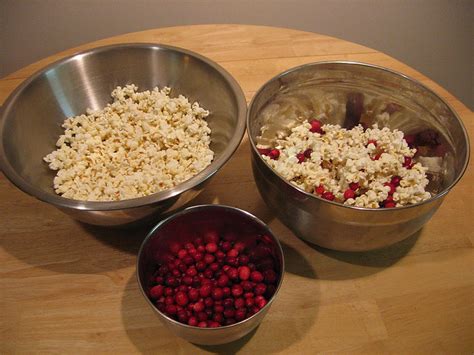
(33, 115)
(307, 91)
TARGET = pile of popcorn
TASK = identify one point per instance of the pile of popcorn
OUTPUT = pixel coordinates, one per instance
(365, 168)
(140, 144)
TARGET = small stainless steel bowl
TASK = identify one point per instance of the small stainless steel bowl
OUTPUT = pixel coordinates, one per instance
(33, 114)
(302, 92)
(181, 228)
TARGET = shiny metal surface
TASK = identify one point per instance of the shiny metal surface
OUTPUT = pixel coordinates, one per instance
(181, 228)
(32, 116)
(297, 94)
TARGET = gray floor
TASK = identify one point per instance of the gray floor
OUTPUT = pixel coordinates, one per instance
(433, 36)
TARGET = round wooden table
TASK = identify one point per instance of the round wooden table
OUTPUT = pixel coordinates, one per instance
(70, 288)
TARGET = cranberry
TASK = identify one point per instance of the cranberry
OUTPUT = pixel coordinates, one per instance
(169, 291)
(201, 265)
(328, 196)
(240, 314)
(239, 303)
(191, 271)
(157, 291)
(208, 302)
(233, 253)
(376, 156)
(229, 313)
(183, 316)
(198, 307)
(217, 293)
(407, 162)
(169, 300)
(228, 303)
(209, 258)
(395, 180)
(264, 151)
(349, 193)
(239, 246)
(319, 190)
(171, 281)
(354, 186)
(301, 158)
(211, 247)
(205, 290)
(231, 260)
(260, 289)
(226, 246)
(196, 281)
(270, 276)
(202, 316)
(249, 301)
(389, 204)
(256, 276)
(193, 294)
(244, 273)
(274, 154)
(307, 153)
(218, 308)
(176, 272)
(220, 255)
(237, 290)
(261, 302)
(182, 253)
(226, 291)
(202, 324)
(372, 141)
(214, 267)
(188, 260)
(316, 126)
(248, 294)
(163, 270)
(218, 316)
(181, 299)
(232, 273)
(223, 280)
(182, 288)
(192, 321)
(198, 256)
(160, 280)
(208, 273)
(198, 241)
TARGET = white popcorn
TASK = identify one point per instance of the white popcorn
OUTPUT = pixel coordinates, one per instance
(340, 157)
(140, 144)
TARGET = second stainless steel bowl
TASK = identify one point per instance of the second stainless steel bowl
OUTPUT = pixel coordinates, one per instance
(299, 94)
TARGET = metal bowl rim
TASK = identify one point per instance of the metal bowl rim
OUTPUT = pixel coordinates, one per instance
(202, 176)
(376, 67)
(191, 210)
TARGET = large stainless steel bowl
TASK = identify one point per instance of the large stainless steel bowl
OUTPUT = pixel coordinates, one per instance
(33, 114)
(302, 92)
(183, 227)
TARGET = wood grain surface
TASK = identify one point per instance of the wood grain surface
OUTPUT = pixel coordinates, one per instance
(70, 288)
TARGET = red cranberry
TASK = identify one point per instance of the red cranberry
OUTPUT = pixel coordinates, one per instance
(218, 308)
(197, 242)
(208, 273)
(169, 300)
(191, 271)
(157, 291)
(211, 247)
(208, 302)
(202, 324)
(244, 273)
(214, 324)
(328, 196)
(240, 314)
(211, 236)
(389, 204)
(270, 276)
(232, 273)
(189, 246)
(198, 307)
(264, 151)
(256, 276)
(192, 321)
(217, 293)
(196, 281)
(349, 193)
(249, 302)
(316, 126)
(182, 288)
(228, 303)
(376, 156)
(260, 289)
(160, 280)
(163, 270)
(181, 299)
(319, 190)
(198, 256)
(220, 255)
(202, 316)
(301, 158)
(201, 265)
(193, 294)
(169, 291)
(182, 253)
(205, 290)
(171, 281)
(239, 246)
(354, 186)
(243, 259)
(183, 316)
(201, 249)
(226, 246)
(188, 260)
(176, 272)
(233, 253)
(274, 154)
(395, 180)
(229, 313)
(233, 261)
(209, 258)
(247, 285)
(307, 153)
(239, 303)
(223, 280)
(218, 316)
(248, 294)
(187, 280)
(161, 306)
(261, 302)
(226, 291)
(237, 290)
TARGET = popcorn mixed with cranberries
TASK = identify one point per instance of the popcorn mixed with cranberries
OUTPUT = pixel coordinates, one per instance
(371, 167)
(216, 280)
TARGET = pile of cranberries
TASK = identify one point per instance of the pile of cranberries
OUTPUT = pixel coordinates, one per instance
(215, 280)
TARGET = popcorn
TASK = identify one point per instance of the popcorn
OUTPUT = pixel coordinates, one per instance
(339, 157)
(140, 144)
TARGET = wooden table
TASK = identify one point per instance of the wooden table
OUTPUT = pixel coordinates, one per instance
(69, 288)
